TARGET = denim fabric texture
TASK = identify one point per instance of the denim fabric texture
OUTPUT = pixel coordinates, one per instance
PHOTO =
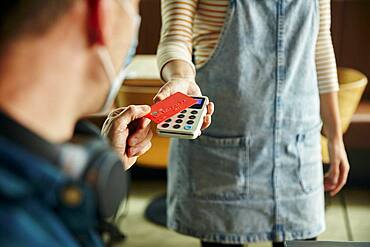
(256, 173)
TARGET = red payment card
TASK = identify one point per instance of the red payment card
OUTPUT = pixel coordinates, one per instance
(170, 106)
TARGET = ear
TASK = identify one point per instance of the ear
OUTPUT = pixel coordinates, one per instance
(94, 22)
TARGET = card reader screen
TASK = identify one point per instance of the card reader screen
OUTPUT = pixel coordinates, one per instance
(199, 104)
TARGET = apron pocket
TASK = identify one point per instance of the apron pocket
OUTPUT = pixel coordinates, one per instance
(310, 172)
(219, 168)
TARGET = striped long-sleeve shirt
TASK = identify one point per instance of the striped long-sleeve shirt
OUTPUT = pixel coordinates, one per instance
(195, 25)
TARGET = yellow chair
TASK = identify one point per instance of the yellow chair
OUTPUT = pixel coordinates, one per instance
(143, 82)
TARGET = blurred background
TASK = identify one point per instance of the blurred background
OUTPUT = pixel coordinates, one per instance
(348, 214)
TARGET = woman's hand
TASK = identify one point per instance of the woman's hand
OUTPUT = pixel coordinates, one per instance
(336, 177)
(186, 86)
(131, 135)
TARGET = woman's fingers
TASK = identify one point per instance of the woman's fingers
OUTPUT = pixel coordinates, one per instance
(336, 177)
(206, 122)
(210, 108)
(342, 179)
(208, 118)
(163, 93)
(331, 177)
(182, 85)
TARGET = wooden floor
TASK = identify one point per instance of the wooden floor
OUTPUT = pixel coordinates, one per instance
(347, 216)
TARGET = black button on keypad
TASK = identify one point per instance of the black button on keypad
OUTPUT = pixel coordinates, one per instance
(168, 120)
(181, 116)
(177, 126)
(179, 121)
(192, 117)
(194, 112)
(184, 111)
(165, 125)
(190, 122)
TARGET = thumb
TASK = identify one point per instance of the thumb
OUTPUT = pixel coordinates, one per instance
(132, 112)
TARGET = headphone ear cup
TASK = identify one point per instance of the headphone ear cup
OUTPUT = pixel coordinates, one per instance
(112, 183)
(104, 170)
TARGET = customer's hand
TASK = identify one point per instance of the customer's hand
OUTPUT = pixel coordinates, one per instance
(186, 86)
(336, 177)
(131, 135)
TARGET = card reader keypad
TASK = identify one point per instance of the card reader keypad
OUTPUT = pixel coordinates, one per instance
(184, 120)
(186, 123)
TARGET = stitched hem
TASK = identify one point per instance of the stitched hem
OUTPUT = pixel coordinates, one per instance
(226, 238)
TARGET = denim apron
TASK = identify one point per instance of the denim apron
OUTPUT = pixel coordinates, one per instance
(256, 173)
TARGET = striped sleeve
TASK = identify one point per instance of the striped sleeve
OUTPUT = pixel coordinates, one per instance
(325, 59)
(208, 25)
(177, 32)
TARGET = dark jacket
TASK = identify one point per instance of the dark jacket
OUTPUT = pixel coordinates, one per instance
(38, 202)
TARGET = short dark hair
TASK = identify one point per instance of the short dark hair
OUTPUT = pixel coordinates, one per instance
(28, 17)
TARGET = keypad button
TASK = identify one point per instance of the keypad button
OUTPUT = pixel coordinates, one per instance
(190, 122)
(179, 121)
(165, 125)
(188, 127)
(192, 117)
(184, 111)
(168, 120)
(177, 126)
(181, 116)
(194, 112)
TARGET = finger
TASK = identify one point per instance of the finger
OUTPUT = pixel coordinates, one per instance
(163, 93)
(118, 141)
(331, 178)
(141, 123)
(120, 132)
(210, 108)
(145, 139)
(341, 180)
(139, 150)
(208, 118)
(207, 122)
(133, 112)
(329, 185)
(144, 123)
(138, 136)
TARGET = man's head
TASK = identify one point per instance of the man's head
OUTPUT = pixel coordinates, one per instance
(28, 18)
(53, 49)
